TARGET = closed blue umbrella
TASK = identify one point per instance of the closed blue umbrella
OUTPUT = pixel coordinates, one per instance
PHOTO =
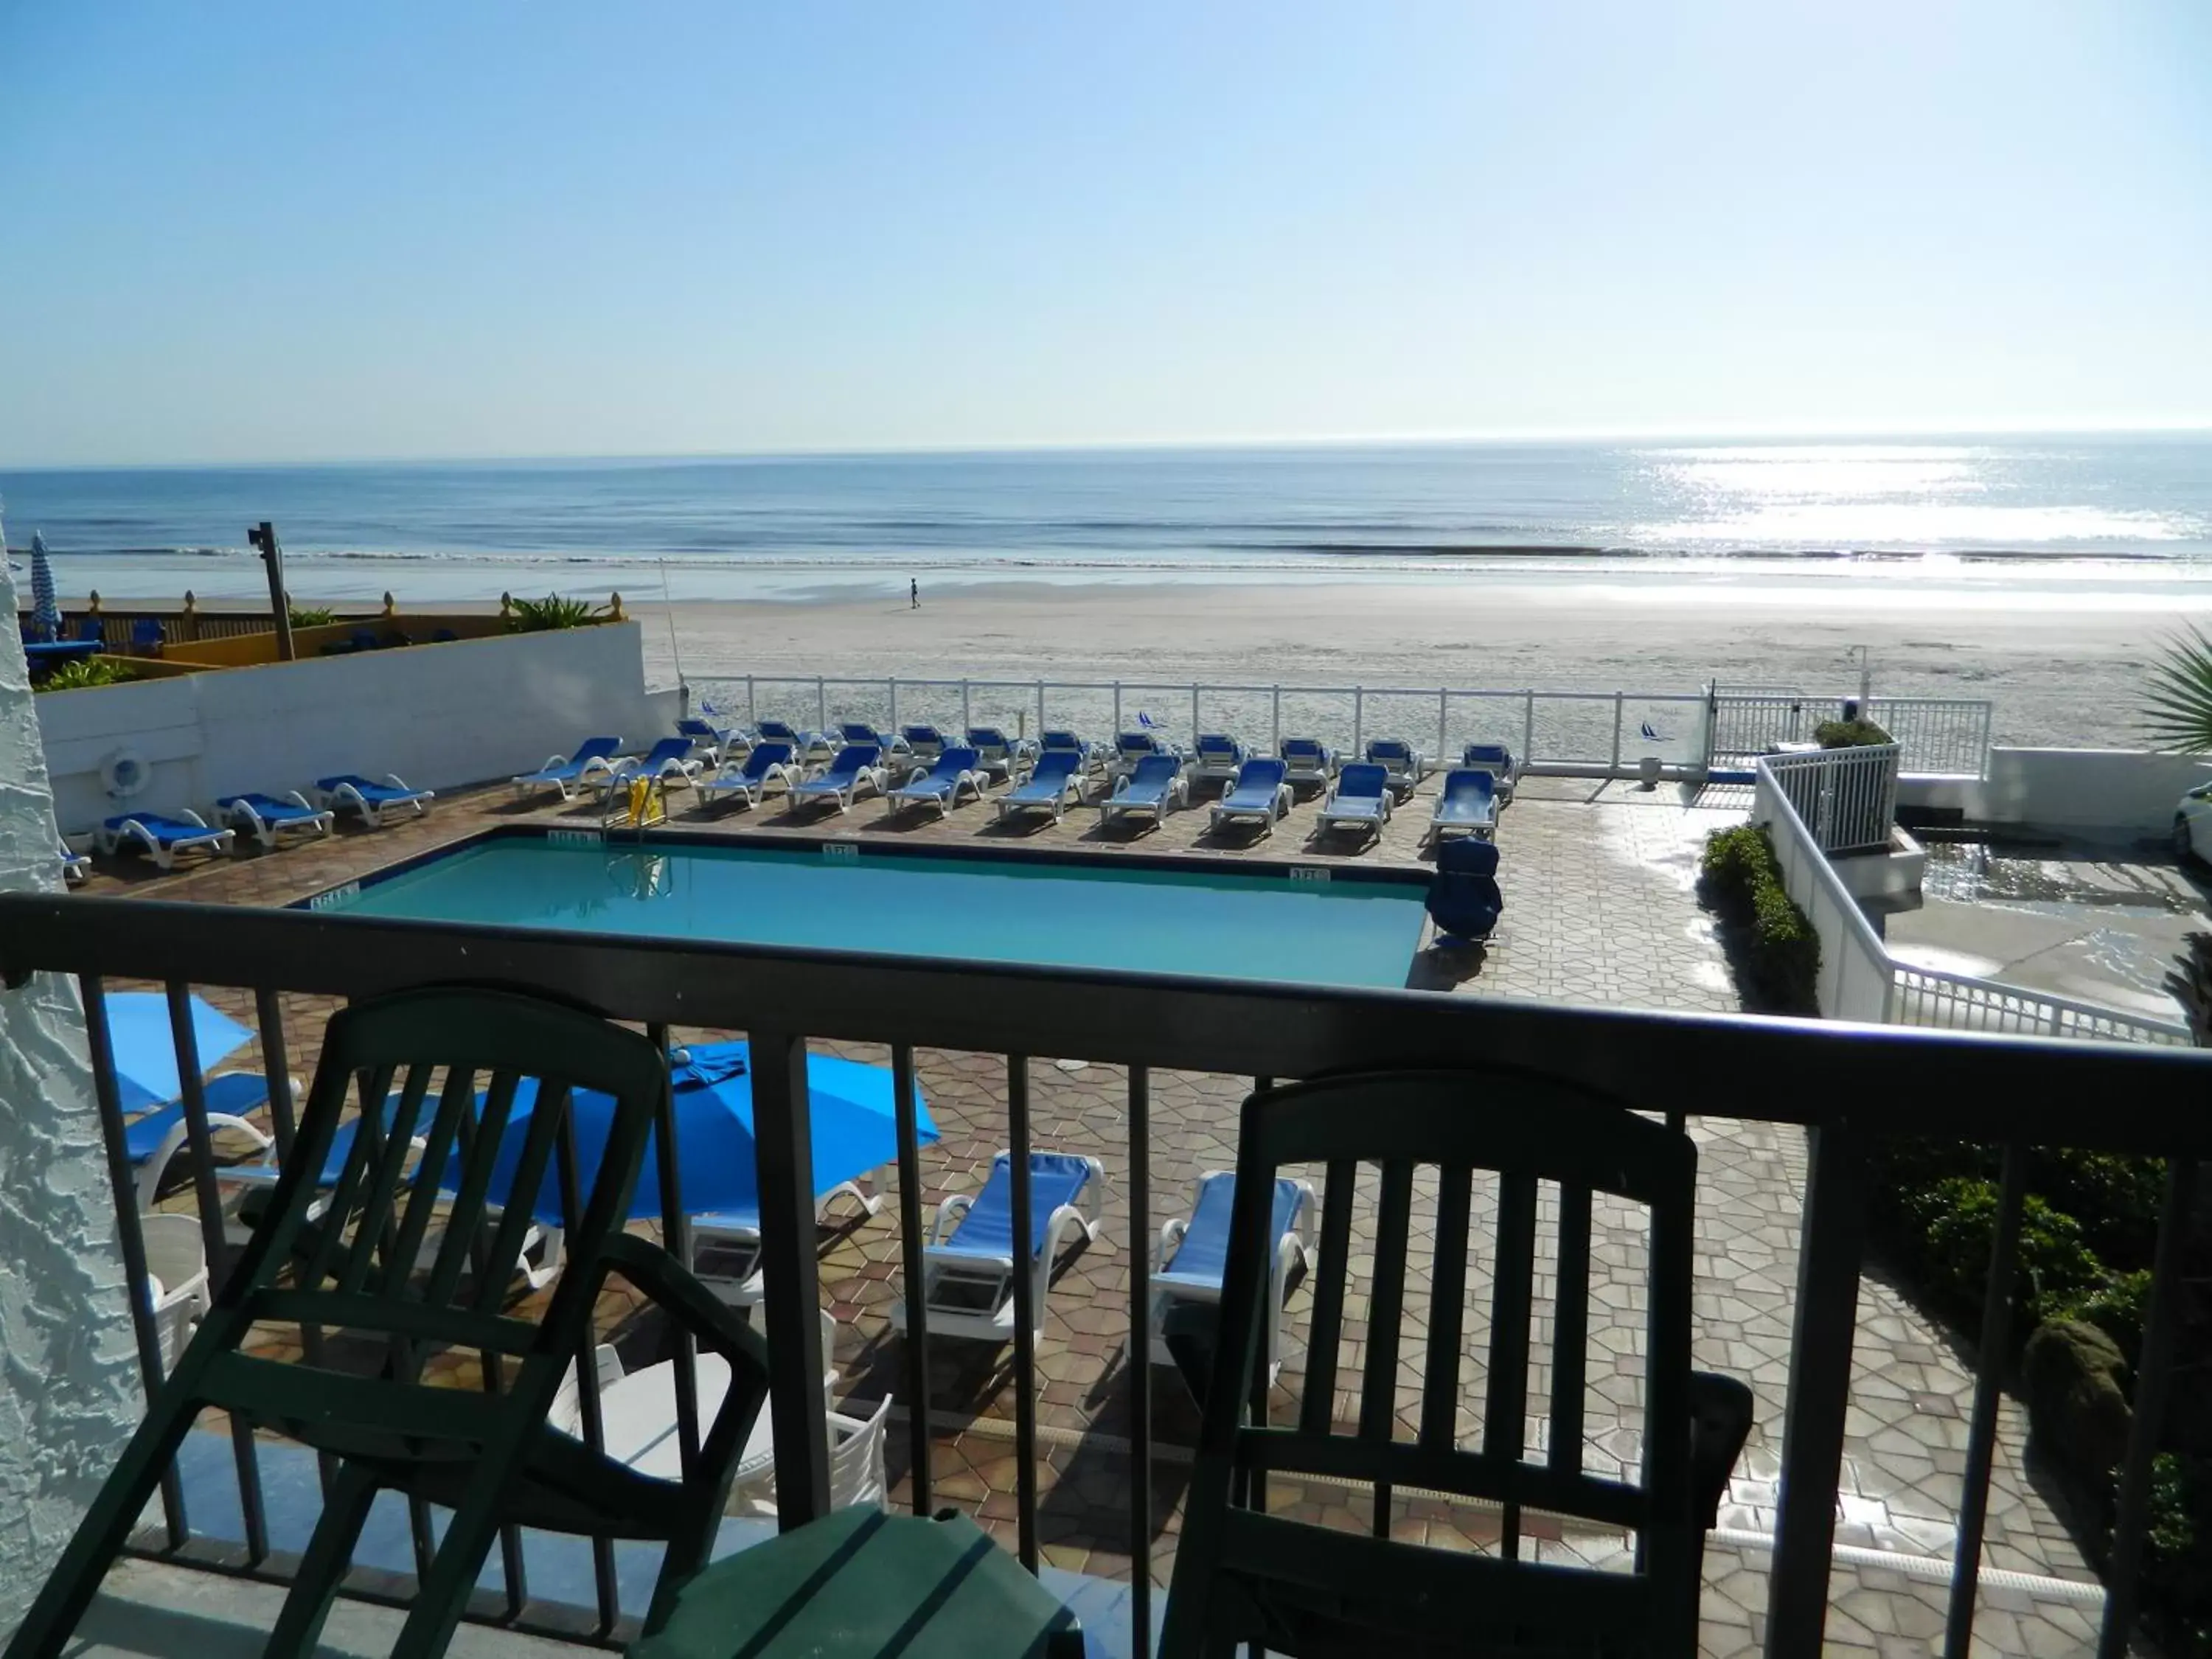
(851, 1109)
(145, 1048)
(46, 607)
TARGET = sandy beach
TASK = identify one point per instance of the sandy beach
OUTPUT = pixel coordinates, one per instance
(2063, 677)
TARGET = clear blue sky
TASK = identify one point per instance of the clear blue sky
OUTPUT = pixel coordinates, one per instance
(278, 231)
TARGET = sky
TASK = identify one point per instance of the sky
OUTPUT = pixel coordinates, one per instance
(270, 232)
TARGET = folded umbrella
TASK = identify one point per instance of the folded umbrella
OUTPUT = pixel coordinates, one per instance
(145, 1050)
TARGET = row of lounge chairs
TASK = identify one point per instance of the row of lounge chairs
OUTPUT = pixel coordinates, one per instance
(268, 819)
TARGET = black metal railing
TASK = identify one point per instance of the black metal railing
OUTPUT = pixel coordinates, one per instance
(1849, 1086)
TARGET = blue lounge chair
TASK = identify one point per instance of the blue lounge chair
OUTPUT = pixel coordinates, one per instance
(669, 761)
(854, 767)
(1259, 792)
(1216, 759)
(1312, 762)
(1156, 784)
(1132, 748)
(1056, 780)
(163, 837)
(1089, 756)
(1464, 900)
(971, 1270)
(349, 790)
(1404, 762)
(153, 1137)
(766, 764)
(146, 636)
(1467, 803)
(997, 754)
(74, 866)
(941, 786)
(1361, 800)
(269, 818)
(926, 743)
(780, 732)
(1194, 1252)
(594, 759)
(1496, 759)
(709, 742)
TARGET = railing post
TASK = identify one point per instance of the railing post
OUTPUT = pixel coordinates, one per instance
(1040, 711)
(1994, 1354)
(752, 705)
(1615, 768)
(891, 686)
(821, 705)
(1195, 717)
(792, 1295)
(1117, 709)
(1830, 1238)
(1358, 717)
(1528, 727)
(1444, 721)
(1275, 723)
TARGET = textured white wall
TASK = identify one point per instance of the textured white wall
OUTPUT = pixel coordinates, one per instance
(2122, 793)
(68, 1383)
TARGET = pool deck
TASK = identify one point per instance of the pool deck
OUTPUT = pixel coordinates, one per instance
(1600, 908)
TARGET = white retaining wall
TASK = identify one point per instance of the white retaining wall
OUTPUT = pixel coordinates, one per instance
(439, 716)
(2113, 791)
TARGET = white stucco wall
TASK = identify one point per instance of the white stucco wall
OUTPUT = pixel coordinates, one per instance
(439, 716)
(69, 1381)
(2114, 792)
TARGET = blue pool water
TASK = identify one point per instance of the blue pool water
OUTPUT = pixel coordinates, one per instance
(1232, 924)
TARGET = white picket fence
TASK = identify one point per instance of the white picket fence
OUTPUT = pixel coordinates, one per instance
(1847, 797)
(1948, 736)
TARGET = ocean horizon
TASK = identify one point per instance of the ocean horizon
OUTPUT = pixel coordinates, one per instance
(2106, 508)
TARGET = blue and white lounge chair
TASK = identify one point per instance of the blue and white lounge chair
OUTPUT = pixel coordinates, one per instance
(1468, 803)
(854, 767)
(74, 866)
(727, 1245)
(896, 754)
(1361, 800)
(1312, 762)
(926, 743)
(1056, 780)
(1496, 759)
(163, 837)
(153, 1137)
(1194, 1252)
(348, 792)
(768, 763)
(780, 732)
(1132, 748)
(972, 1272)
(268, 818)
(1261, 790)
(1155, 785)
(941, 786)
(668, 761)
(1092, 756)
(1405, 763)
(593, 759)
(1216, 759)
(998, 755)
(1464, 900)
(709, 742)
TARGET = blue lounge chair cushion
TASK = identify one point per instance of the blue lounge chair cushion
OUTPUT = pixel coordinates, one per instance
(922, 734)
(1360, 788)
(1496, 755)
(780, 730)
(1390, 751)
(1464, 900)
(1202, 1256)
(1219, 748)
(1257, 782)
(987, 1229)
(377, 795)
(848, 763)
(1150, 783)
(269, 810)
(1467, 797)
(590, 750)
(667, 749)
(943, 777)
(1048, 782)
(235, 1093)
(170, 832)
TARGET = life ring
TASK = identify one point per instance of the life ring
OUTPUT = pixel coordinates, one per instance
(125, 772)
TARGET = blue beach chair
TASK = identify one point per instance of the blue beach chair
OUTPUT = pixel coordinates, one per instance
(996, 755)
(1468, 803)
(1056, 780)
(926, 743)
(765, 764)
(350, 792)
(941, 786)
(1089, 756)
(153, 1137)
(594, 759)
(1132, 748)
(1403, 763)
(1361, 800)
(74, 866)
(1312, 763)
(1464, 900)
(668, 761)
(269, 818)
(1194, 1252)
(163, 837)
(709, 742)
(1259, 792)
(971, 1270)
(1216, 759)
(1155, 785)
(854, 766)
(1496, 759)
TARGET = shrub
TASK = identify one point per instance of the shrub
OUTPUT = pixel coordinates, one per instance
(1849, 734)
(1778, 952)
(87, 673)
(541, 616)
(1957, 1220)
(310, 616)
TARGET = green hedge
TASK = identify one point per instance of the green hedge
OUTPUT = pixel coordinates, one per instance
(1778, 953)
(1850, 734)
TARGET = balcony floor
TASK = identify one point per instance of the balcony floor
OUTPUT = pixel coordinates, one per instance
(1600, 910)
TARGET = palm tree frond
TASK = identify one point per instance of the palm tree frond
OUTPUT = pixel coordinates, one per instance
(2178, 703)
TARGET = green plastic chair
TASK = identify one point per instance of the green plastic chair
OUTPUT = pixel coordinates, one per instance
(1243, 1575)
(368, 1268)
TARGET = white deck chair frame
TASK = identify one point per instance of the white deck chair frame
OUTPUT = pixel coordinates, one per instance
(731, 780)
(1117, 805)
(740, 1281)
(1294, 1250)
(904, 795)
(156, 1164)
(1361, 818)
(176, 1289)
(846, 792)
(109, 840)
(1312, 771)
(1221, 812)
(346, 798)
(987, 1285)
(243, 815)
(595, 768)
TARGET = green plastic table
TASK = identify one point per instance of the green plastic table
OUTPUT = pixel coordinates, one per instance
(860, 1583)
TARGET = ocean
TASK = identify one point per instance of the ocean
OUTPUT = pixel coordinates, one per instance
(2127, 511)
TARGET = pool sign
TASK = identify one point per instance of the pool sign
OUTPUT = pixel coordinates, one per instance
(335, 897)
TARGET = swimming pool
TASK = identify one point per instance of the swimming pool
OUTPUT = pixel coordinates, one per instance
(1301, 925)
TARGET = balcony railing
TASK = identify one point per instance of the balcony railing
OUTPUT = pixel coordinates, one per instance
(1850, 1086)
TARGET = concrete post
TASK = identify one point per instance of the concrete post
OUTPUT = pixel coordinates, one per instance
(69, 1380)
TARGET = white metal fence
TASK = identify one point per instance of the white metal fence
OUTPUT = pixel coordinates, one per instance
(1847, 797)
(1860, 980)
(1949, 736)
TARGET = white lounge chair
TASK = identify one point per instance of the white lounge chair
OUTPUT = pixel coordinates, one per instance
(1194, 1252)
(857, 1472)
(954, 770)
(1405, 765)
(1217, 758)
(668, 762)
(162, 836)
(855, 766)
(176, 1288)
(1312, 762)
(971, 1271)
(153, 1137)
(1467, 803)
(350, 792)
(76, 867)
(268, 818)
(1259, 791)
(998, 756)
(1156, 784)
(725, 1244)
(1054, 781)
(1361, 800)
(1496, 759)
(594, 760)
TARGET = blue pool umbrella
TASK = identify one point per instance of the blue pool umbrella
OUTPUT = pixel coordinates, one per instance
(146, 1053)
(46, 607)
(851, 1109)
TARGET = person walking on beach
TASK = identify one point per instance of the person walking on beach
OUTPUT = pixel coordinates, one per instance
(914, 593)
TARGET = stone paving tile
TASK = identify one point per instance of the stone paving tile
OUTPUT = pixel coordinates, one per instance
(1600, 908)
